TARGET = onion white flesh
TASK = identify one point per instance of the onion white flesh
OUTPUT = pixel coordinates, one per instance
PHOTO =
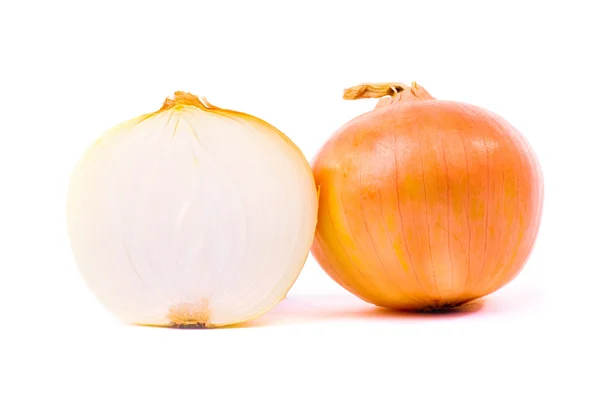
(192, 215)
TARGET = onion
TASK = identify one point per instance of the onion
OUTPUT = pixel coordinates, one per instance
(425, 204)
(191, 216)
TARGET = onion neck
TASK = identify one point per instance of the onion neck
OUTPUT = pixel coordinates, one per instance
(388, 93)
(185, 99)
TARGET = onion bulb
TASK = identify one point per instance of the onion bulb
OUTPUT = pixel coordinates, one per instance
(425, 204)
(192, 215)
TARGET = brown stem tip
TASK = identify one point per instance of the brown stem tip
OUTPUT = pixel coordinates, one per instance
(389, 92)
(374, 90)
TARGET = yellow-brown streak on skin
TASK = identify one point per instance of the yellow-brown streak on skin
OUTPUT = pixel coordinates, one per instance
(468, 282)
(437, 208)
(412, 198)
(527, 235)
(448, 218)
(488, 264)
(497, 266)
(495, 225)
(190, 314)
(439, 211)
(378, 235)
(408, 189)
(372, 291)
(368, 195)
(377, 255)
(538, 190)
(478, 199)
(399, 209)
(371, 288)
(345, 270)
(381, 285)
(517, 241)
(398, 280)
(345, 252)
(369, 201)
(334, 272)
(393, 254)
(487, 212)
(506, 272)
(456, 229)
(425, 296)
(506, 266)
(433, 269)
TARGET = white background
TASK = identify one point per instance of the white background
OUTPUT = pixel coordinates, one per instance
(69, 71)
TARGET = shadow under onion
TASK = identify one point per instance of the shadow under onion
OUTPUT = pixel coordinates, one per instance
(312, 309)
(307, 310)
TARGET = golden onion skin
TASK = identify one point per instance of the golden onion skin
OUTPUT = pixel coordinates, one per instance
(425, 204)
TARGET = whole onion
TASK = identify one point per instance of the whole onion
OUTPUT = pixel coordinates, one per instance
(425, 204)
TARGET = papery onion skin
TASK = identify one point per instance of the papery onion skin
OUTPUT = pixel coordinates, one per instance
(425, 204)
(191, 216)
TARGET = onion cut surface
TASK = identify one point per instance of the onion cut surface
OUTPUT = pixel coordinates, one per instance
(191, 216)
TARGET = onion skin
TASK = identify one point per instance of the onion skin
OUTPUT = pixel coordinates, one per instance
(425, 204)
